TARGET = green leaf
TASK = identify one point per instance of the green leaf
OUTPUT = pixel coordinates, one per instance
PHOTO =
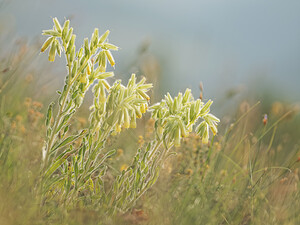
(53, 181)
(76, 172)
(68, 140)
(59, 161)
(49, 114)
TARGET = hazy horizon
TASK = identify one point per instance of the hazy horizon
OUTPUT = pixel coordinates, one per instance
(224, 44)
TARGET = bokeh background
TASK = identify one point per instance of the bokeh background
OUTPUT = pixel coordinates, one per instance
(246, 53)
(231, 46)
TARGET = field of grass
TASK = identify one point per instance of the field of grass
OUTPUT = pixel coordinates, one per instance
(247, 174)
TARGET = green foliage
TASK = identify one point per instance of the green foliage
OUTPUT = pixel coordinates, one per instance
(74, 165)
(238, 179)
(248, 174)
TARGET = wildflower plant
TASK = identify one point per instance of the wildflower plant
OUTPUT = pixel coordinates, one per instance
(74, 165)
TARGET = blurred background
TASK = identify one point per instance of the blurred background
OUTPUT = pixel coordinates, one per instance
(241, 52)
(231, 46)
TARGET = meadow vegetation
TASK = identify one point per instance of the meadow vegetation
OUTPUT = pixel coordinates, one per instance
(62, 165)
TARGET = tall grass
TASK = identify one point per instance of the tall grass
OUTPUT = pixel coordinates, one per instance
(248, 174)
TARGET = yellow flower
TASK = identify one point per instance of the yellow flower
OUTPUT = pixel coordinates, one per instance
(119, 152)
(123, 167)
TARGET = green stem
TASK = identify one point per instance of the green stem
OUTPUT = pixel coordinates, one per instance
(130, 204)
(155, 148)
(58, 118)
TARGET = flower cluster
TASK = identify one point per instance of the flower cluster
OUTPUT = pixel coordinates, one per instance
(176, 117)
(74, 165)
(122, 105)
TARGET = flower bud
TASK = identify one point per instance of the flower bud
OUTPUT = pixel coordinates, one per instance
(175, 107)
(106, 84)
(72, 54)
(80, 53)
(52, 52)
(133, 120)
(47, 43)
(214, 129)
(205, 108)
(131, 81)
(145, 86)
(58, 47)
(118, 128)
(138, 112)
(205, 135)
(143, 108)
(121, 117)
(110, 46)
(197, 107)
(102, 96)
(53, 33)
(143, 94)
(74, 69)
(186, 96)
(177, 138)
(105, 75)
(86, 47)
(182, 129)
(187, 116)
(200, 128)
(212, 118)
(94, 39)
(179, 97)
(57, 25)
(110, 58)
(71, 43)
(88, 68)
(69, 35)
(102, 61)
(103, 37)
(65, 29)
(126, 119)
(192, 112)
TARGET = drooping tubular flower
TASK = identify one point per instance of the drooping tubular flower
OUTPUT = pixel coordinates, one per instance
(175, 118)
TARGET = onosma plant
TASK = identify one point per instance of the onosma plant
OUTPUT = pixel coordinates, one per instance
(74, 164)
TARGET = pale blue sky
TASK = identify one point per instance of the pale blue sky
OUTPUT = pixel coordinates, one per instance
(223, 43)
